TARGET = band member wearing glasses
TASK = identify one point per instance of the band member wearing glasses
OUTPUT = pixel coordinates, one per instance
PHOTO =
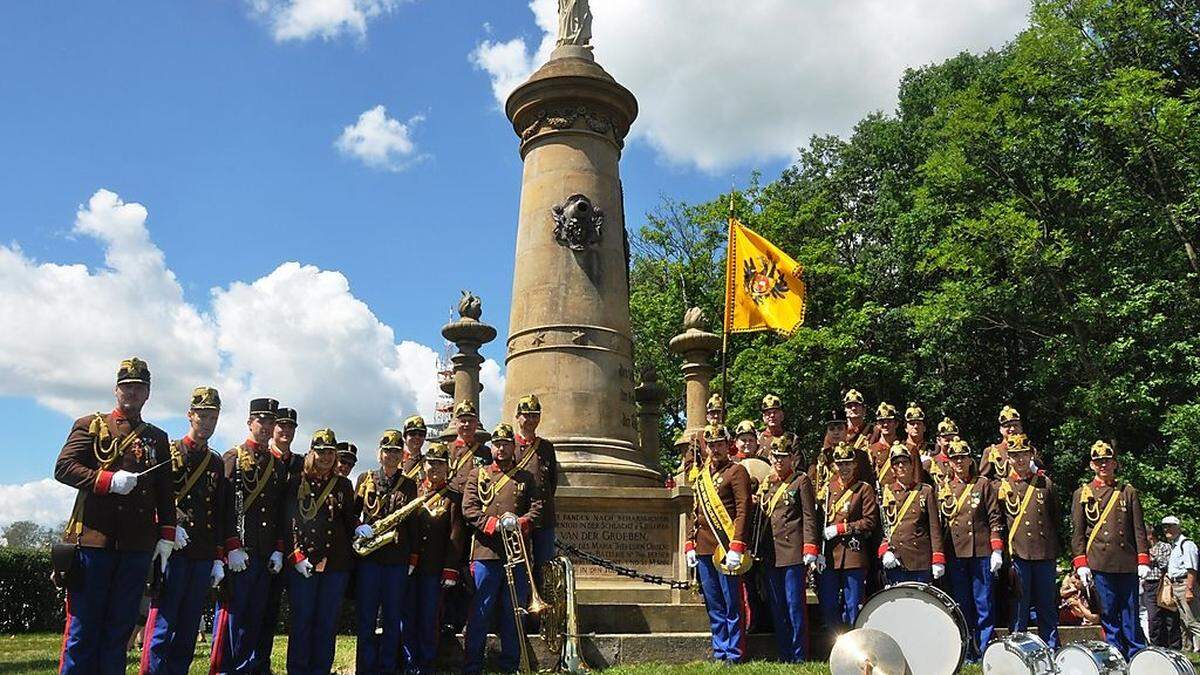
(912, 547)
(851, 518)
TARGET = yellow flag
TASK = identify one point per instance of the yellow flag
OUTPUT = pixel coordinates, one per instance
(764, 287)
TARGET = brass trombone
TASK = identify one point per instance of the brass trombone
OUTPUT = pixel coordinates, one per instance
(515, 555)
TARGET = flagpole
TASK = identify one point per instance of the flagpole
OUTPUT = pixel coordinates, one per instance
(725, 319)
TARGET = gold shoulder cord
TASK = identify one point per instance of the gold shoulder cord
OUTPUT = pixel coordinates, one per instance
(1091, 505)
(1012, 502)
(889, 506)
(251, 476)
(309, 505)
(487, 491)
(370, 495)
(177, 464)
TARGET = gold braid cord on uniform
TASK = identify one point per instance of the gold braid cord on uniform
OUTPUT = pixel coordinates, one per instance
(107, 449)
(369, 494)
(310, 506)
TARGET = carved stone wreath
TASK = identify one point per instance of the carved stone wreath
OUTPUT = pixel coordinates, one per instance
(577, 223)
(566, 118)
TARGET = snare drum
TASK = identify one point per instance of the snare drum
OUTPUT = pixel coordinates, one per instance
(1159, 661)
(1018, 654)
(1089, 658)
(924, 621)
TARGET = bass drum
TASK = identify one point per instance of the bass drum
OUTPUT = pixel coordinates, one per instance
(759, 469)
(1091, 657)
(924, 621)
(1159, 661)
(1018, 654)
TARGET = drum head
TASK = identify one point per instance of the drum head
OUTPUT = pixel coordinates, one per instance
(1089, 658)
(759, 469)
(924, 621)
(1018, 654)
(1159, 661)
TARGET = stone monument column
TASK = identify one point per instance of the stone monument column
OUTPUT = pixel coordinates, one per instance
(468, 334)
(569, 329)
(697, 346)
(650, 395)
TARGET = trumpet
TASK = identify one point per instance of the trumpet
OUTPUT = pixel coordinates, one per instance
(385, 529)
(515, 555)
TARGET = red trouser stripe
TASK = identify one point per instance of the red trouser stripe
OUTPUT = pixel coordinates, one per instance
(62, 653)
(147, 637)
(214, 662)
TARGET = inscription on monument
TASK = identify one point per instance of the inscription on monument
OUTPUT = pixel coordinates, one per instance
(643, 541)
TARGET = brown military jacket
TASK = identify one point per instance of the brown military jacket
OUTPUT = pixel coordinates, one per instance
(1121, 544)
(490, 493)
(878, 454)
(995, 464)
(974, 526)
(439, 533)
(820, 472)
(204, 511)
(789, 512)
(376, 496)
(916, 450)
(1036, 536)
(321, 532)
(465, 459)
(916, 539)
(733, 488)
(544, 466)
(860, 439)
(939, 470)
(261, 529)
(103, 519)
(855, 512)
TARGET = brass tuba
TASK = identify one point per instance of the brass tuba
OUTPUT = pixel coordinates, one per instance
(560, 624)
(385, 528)
(515, 555)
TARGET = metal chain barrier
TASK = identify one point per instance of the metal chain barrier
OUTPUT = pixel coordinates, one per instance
(621, 570)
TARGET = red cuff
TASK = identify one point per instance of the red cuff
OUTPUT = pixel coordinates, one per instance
(296, 557)
(449, 574)
(737, 546)
(841, 528)
(938, 558)
(167, 532)
(413, 559)
(489, 528)
(103, 481)
(232, 544)
(811, 549)
(525, 523)
(689, 546)
(279, 545)
(1143, 558)
(1079, 561)
(883, 548)
(997, 544)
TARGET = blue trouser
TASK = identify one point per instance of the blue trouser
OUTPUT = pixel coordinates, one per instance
(1037, 589)
(421, 629)
(174, 620)
(899, 574)
(316, 604)
(238, 622)
(971, 581)
(379, 588)
(543, 550)
(103, 611)
(1118, 592)
(491, 596)
(723, 599)
(840, 593)
(266, 635)
(788, 606)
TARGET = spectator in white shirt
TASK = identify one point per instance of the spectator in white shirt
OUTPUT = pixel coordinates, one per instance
(1181, 571)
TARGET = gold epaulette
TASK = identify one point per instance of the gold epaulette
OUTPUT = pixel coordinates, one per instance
(1086, 496)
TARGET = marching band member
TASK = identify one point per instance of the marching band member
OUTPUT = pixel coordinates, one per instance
(745, 439)
(347, 457)
(881, 450)
(466, 453)
(772, 416)
(714, 410)
(254, 550)
(382, 576)
(851, 518)
(1108, 540)
(415, 433)
(286, 421)
(835, 434)
(202, 507)
(968, 505)
(123, 520)
(503, 491)
(856, 421)
(938, 464)
(1029, 503)
(914, 429)
(722, 508)
(438, 537)
(788, 510)
(995, 456)
(321, 518)
(545, 468)
(912, 543)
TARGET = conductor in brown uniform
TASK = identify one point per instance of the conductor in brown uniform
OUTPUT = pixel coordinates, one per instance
(851, 520)
(1108, 540)
(122, 520)
(912, 548)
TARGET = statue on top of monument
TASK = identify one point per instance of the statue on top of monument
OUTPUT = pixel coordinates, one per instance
(574, 23)
(470, 307)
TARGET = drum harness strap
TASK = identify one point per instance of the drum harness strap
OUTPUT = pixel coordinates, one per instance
(1020, 515)
(1112, 501)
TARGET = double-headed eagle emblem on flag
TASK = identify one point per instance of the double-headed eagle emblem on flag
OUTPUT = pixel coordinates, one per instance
(762, 279)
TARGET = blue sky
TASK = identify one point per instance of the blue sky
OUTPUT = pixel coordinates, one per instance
(223, 125)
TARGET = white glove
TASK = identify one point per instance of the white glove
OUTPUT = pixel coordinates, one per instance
(305, 568)
(692, 560)
(364, 531)
(890, 561)
(238, 558)
(181, 537)
(831, 532)
(820, 564)
(449, 583)
(809, 559)
(411, 569)
(123, 482)
(997, 561)
(275, 563)
(939, 570)
(733, 559)
(162, 550)
(218, 573)
(1143, 570)
(1085, 575)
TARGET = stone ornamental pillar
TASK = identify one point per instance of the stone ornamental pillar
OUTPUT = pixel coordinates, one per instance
(468, 334)
(697, 346)
(569, 330)
(650, 396)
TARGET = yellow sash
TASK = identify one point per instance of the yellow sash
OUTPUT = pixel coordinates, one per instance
(719, 523)
(883, 469)
(1112, 501)
(912, 496)
(775, 498)
(845, 497)
(962, 499)
(468, 451)
(1021, 513)
(195, 476)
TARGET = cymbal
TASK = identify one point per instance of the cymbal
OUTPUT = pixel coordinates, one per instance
(866, 651)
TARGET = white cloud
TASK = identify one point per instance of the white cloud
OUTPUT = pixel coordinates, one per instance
(327, 19)
(45, 502)
(723, 82)
(380, 141)
(323, 351)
